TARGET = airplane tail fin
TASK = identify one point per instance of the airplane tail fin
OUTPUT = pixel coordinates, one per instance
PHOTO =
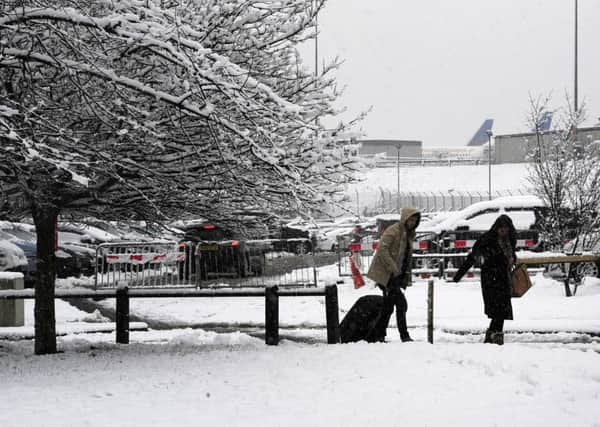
(481, 136)
(546, 122)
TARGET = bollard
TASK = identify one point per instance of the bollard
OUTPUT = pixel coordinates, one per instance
(441, 266)
(12, 312)
(122, 315)
(430, 312)
(332, 314)
(271, 315)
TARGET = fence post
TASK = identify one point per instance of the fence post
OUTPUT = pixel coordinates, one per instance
(430, 312)
(271, 315)
(332, 314)
(12, 313)
(122, 315)
(315, 277)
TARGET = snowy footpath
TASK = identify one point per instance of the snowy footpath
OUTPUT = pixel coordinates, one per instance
(547, 373)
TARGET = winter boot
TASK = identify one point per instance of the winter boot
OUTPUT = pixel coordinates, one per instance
(403, 327)
(497, 338)
(488, 337)
(405, 337)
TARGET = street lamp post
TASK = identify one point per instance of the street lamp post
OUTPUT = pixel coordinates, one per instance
(398, 176)
(489, 134)
(575, 71)
(316, 55)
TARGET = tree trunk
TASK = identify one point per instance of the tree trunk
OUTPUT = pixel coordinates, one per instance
(45, 321)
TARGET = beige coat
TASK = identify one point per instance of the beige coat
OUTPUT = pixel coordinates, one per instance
(387, 257)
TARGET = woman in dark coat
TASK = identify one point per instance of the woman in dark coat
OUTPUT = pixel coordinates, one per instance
(497, 249)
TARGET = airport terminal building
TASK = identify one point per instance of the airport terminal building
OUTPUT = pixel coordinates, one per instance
(391, 148)
(518, 148)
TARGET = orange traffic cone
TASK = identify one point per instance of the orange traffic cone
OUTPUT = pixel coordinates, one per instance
(356, 275)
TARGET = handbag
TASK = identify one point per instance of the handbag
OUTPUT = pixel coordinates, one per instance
(520, 281)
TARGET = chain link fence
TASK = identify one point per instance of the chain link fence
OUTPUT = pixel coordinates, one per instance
(435, 201)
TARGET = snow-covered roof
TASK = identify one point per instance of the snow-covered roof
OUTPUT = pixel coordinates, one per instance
(95, 233)
(10, 275)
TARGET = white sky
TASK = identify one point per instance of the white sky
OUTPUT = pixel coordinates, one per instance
(435, 69)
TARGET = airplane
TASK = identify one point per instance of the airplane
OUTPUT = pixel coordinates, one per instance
(545, 122)
(481, 136)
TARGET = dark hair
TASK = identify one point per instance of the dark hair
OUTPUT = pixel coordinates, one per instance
(505, 221)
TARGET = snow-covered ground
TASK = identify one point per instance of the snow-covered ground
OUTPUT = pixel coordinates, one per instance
(440, 179)
(195, 376)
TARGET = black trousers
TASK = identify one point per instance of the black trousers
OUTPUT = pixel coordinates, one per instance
(392, 297)
(496, 325)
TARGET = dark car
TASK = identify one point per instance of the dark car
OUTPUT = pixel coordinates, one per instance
(286, 238)
(71, 260)
(216, 252)
(80, 261)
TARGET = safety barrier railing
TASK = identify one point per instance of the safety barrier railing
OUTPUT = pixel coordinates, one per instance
(443, 265)
(139, 264)
(253, 263)
(207, 264)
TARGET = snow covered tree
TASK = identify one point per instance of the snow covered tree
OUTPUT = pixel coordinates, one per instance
(565, 175)
(157, 110)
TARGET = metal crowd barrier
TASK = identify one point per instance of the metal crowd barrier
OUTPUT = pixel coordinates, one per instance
(139, 264)
(254, 263)
(207, 264)
(425, 266)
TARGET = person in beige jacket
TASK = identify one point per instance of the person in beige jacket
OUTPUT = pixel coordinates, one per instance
(391, 269)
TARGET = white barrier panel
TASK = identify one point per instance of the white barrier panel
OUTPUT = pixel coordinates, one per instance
(141, 264)
(207, 264)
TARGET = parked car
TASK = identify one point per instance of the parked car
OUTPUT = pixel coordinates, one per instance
(12, 258)
(455, 232)
(328, 239)
(84, 234)
(29, 250)
(459, 230)
(218, 253)
(291, 238)
(71, 259)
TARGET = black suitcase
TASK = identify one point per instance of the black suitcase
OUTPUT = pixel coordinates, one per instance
(359, 320)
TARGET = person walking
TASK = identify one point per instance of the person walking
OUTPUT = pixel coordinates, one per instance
(496, 248)
(391, 269)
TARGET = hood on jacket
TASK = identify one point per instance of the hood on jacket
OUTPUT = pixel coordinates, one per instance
(407, 213)
(504, 221)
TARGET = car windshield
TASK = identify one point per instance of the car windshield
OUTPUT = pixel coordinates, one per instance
(67, 236)
(23, 235)
(208, 232)
(6, 236)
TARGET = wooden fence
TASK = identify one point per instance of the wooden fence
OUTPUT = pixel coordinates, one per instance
(271, 295)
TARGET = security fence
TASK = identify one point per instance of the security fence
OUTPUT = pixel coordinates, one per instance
(435, 201)
(208, 264)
